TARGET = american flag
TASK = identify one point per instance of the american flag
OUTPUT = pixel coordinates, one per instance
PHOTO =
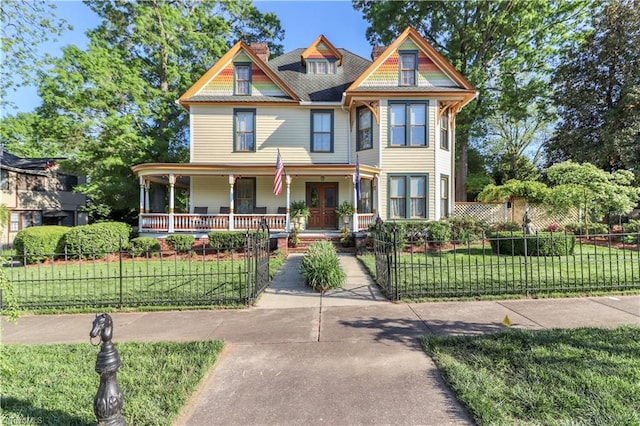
(277, 180)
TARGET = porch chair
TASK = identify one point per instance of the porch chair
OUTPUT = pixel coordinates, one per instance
(201, 210)
(259, 210)
(224, 210)
(282, 210)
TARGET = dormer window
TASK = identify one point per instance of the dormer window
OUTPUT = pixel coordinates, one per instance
(321, 67)
(408, 67)
(242, 76)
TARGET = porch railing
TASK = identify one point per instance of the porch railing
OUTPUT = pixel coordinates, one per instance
(190, 222)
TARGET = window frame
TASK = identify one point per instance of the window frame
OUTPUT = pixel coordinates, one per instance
(359, 139)
(444, 131)
(312, 113)
(407, 124)
(313, 66)
(402, 70)
(236, 112)
(236, 81)
(444, 196)
(407, 195)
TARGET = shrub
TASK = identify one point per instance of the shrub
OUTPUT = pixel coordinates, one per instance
(591, 228)
(320, 267)
(465, 229)
(540, 244)
(632, 227)
(144, 246)
(439, 232)
(554, 227)
(40, 243)
(98, 239)
(506, 226)
(180, 242)
(227, 240)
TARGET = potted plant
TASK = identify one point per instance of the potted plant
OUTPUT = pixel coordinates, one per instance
(345, 211)
(299, 213)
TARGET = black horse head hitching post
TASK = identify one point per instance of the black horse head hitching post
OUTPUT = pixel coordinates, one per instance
(107, 404)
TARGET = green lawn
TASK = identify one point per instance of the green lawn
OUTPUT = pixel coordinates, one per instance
(56, 384)
(133, 282)
(585, 376)
(476, 271)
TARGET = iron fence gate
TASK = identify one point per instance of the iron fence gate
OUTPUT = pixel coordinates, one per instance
(413, 264)
(201, 276)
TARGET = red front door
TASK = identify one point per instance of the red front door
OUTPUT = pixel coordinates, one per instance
(322, 199)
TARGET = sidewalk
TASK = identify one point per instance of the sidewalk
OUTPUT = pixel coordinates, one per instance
(348, 357)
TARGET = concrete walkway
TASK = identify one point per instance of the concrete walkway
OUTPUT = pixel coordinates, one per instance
(348, 357)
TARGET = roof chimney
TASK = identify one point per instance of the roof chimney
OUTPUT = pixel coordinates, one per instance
(377, 51)
(261, 50)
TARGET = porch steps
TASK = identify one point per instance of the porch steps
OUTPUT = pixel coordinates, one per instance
(307, 240)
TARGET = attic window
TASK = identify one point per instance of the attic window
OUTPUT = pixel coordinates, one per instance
(242, 77)
(321, 67)
(408, 68)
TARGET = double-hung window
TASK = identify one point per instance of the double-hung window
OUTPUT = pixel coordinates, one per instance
(321, 131)
(408, 196)
(444, 196)
(245, 136)
(408, 62)
(408, 124)
(242, 77)
(444, 130)
(365, 135)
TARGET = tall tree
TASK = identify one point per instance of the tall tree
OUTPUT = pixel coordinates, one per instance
(597, 90)
(492, 43)
(114, 103)
(24, 26)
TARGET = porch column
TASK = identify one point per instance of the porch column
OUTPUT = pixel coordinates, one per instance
(142, 205)
(287, 226)
(232, 179)
(355, 206)
(147, 187)
(375, 190)
(172, 182)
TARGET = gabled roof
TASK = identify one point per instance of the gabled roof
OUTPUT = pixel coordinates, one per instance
(191, 94)
(317, 45)
(8, 160)
(315, 87)
(461, 84)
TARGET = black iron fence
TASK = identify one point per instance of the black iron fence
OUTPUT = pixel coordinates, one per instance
(197, 277)
(505, 264)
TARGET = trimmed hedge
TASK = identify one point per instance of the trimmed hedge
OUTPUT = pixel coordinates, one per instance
(40, 243)
(227, 240)
(321, 268)
(98, 239)
(144, 246)
(180, 242)
(540, 244)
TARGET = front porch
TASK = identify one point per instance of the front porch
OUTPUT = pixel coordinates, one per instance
(241, 197)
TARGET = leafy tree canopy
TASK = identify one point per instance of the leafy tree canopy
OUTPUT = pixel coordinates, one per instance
(24, 26)
(113, 105)
(597, 90)
(591, 189)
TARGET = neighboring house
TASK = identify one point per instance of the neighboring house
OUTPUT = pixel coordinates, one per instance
(36, 192)
(335, 119)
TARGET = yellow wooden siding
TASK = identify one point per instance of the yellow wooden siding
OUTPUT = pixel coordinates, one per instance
(210, 191)
(413, 160)
(284, 128)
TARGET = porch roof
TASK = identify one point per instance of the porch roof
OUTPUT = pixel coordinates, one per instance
(159, 172)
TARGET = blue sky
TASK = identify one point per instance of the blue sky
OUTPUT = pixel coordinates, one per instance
(303, 22)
